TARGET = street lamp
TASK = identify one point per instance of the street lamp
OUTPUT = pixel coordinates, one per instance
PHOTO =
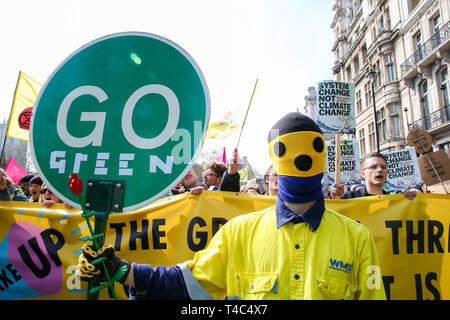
(406, 113)
(371, 75)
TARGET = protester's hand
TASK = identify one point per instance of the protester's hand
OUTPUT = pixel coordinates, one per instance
(88, 271)
(48, 203)
(2, 183)
(336, 191)
(234, 162)
(409, 194)
(197, 190)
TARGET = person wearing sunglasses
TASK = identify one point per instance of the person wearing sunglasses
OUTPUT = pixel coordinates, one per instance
(47, 197)
(374, 171)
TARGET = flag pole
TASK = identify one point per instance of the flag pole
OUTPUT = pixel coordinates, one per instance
(9, 121)
(246, 113)
(4, 130)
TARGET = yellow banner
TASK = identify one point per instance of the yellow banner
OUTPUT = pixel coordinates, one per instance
(39, 247)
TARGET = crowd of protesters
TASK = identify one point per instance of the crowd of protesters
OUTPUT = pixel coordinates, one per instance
(30, 188)
(219, 176)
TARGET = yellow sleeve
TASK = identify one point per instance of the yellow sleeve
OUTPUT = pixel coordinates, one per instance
(369, 273)
(208, 266)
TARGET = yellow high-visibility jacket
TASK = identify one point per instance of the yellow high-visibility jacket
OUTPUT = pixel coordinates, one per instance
(261, 256)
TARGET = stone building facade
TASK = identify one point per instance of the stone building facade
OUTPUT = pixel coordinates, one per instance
(406, 43)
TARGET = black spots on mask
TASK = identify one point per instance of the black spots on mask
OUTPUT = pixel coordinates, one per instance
(303, 162)
(279, 149)
(318, 144)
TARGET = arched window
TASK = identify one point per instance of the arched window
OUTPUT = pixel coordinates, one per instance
(443, 79)
(425, 103)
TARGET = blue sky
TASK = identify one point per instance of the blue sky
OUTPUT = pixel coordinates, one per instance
(286, 43)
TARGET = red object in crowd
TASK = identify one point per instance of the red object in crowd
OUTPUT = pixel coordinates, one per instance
(75, 184)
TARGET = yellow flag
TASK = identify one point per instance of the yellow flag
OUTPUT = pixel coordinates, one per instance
(228, 124)
(243, 173)
(26, 93)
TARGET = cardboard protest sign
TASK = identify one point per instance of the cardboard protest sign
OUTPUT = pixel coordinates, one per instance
(403, 169)
(441, 164)
(350, 162)
(336, 102)
(419, 139)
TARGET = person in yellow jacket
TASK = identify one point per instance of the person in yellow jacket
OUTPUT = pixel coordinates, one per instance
(297, 249)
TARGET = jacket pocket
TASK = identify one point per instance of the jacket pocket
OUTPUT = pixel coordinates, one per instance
(334, 289)
(258, 285)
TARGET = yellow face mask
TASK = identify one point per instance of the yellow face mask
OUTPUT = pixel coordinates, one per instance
(298, 154)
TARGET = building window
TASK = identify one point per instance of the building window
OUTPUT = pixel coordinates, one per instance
(418, 46)
(444, 86)
(358, 102)
(348, 73)
(382, 24)
(364, 53)
(362, 142)
(395, 123)
(388, 19)
(445, 147)
(436, 24)
(412, 4)
(443, 79)
(372, 140)
(425, 103)
(390, 67)
(356, 64)
(377, 83)
(368, 94)
(356, 6)
(381, 124)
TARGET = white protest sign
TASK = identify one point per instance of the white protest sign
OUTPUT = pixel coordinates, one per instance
(403, 169)
(350, 162)
(336, 107)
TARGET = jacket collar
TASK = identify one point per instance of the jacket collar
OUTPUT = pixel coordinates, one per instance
(364, 193)
(313, 216)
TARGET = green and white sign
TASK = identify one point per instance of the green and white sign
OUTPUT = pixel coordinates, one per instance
(129, 106)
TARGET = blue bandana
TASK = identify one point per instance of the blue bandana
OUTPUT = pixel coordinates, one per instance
(300, 189)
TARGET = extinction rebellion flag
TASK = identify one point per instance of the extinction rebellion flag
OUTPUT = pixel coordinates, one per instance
(26, 93)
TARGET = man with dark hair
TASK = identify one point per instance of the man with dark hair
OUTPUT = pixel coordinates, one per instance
(24, 183)
(218, 176)
(374, 170)
(213, 173)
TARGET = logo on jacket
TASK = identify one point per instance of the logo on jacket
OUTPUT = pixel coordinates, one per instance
(340, 266)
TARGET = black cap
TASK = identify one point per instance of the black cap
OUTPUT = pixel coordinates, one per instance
(36, 180)
(292, 122)
(26, 179)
